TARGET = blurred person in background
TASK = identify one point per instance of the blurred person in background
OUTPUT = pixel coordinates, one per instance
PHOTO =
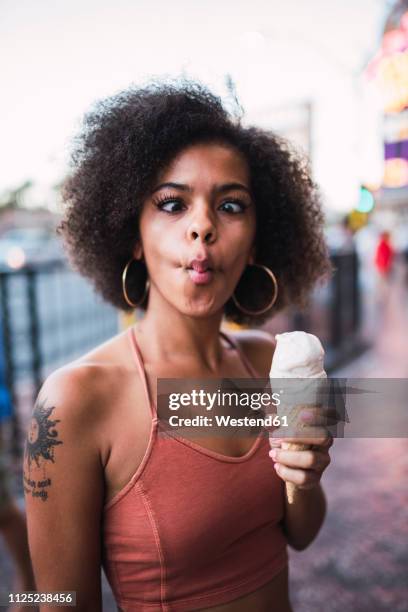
(13, 527)
(348, 235)
(174, 207)
(384, 260)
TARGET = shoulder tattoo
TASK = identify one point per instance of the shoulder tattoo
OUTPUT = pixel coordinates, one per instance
(39, 447)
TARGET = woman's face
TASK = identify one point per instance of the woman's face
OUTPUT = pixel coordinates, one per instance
(200, 207)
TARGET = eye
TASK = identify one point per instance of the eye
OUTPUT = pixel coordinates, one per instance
(167, 203)
(237, 206)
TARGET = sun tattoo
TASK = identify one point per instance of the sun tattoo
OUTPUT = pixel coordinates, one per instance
(41, 440)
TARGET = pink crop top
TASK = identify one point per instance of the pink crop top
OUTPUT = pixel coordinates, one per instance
(193, 528)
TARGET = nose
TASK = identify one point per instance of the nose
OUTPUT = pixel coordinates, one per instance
(202, 226)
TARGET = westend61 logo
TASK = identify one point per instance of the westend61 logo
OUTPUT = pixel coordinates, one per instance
(208, 401)
(241, 403)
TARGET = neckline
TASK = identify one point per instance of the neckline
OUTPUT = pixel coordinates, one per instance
(212, 453)
(156, 421)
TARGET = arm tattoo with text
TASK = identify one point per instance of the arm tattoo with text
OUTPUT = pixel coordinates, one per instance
(39, 447)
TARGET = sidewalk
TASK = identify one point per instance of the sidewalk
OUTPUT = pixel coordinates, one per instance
(359, 560)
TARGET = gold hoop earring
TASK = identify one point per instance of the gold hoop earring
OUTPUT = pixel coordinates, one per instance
(271, 303)
(125, 294)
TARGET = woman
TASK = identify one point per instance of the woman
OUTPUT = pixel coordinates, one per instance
(384, 264)
(384, 255)
(176, 208)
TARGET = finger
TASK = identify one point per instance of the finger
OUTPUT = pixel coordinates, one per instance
(329, 441)
(303, 478)
(303, 431)
(304, 459)
(284, 432)
(324, 440)
(274, 443)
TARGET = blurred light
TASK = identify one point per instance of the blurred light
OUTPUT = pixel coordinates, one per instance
(389, 67)
(373, 186)
(366, 201)
(16, 257)
(404, 22)
(395, 172)
(357, 220)
(392, 79)
(394, 41)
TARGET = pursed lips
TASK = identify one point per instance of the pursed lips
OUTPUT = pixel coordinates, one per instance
(200, 265)
(200, 272)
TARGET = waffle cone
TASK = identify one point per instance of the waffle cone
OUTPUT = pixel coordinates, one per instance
(293, 415)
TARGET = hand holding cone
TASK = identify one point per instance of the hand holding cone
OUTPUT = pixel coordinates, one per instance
(297, 355)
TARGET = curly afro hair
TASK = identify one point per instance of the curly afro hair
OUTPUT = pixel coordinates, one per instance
(127, 139)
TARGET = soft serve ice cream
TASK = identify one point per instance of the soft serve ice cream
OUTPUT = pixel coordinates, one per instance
(299, 355)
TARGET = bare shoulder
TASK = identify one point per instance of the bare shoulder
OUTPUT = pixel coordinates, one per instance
(77, 392)
(258, 346)
(69, 397)
(74, 385)
(90, 393)
(81, 385)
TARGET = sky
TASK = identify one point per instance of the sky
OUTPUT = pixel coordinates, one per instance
(57, 58)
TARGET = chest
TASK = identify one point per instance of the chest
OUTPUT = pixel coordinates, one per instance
(204, 508)
(129, 427)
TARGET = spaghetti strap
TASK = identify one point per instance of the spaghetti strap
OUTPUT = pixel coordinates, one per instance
(141, 367)
(244, 358)
(142, 371)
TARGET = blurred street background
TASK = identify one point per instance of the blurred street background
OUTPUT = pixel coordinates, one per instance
(332, 77)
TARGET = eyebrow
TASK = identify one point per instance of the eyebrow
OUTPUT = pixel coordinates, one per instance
(218, 188)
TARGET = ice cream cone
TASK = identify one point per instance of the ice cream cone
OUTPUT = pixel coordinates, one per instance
(298, 355)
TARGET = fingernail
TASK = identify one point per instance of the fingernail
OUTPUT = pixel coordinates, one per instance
(273, 453)
(307, 415)
(276, 466)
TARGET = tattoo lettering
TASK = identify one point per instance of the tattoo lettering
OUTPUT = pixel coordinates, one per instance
(36, 487)
(41, 438)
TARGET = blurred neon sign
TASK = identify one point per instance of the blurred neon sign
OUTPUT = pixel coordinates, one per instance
(389, 68)
(392, 78)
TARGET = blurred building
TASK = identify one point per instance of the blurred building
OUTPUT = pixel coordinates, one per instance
(324, 106)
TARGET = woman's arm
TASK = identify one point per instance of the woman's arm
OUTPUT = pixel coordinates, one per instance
(304, 518)
(304, 468)
(63, 485)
